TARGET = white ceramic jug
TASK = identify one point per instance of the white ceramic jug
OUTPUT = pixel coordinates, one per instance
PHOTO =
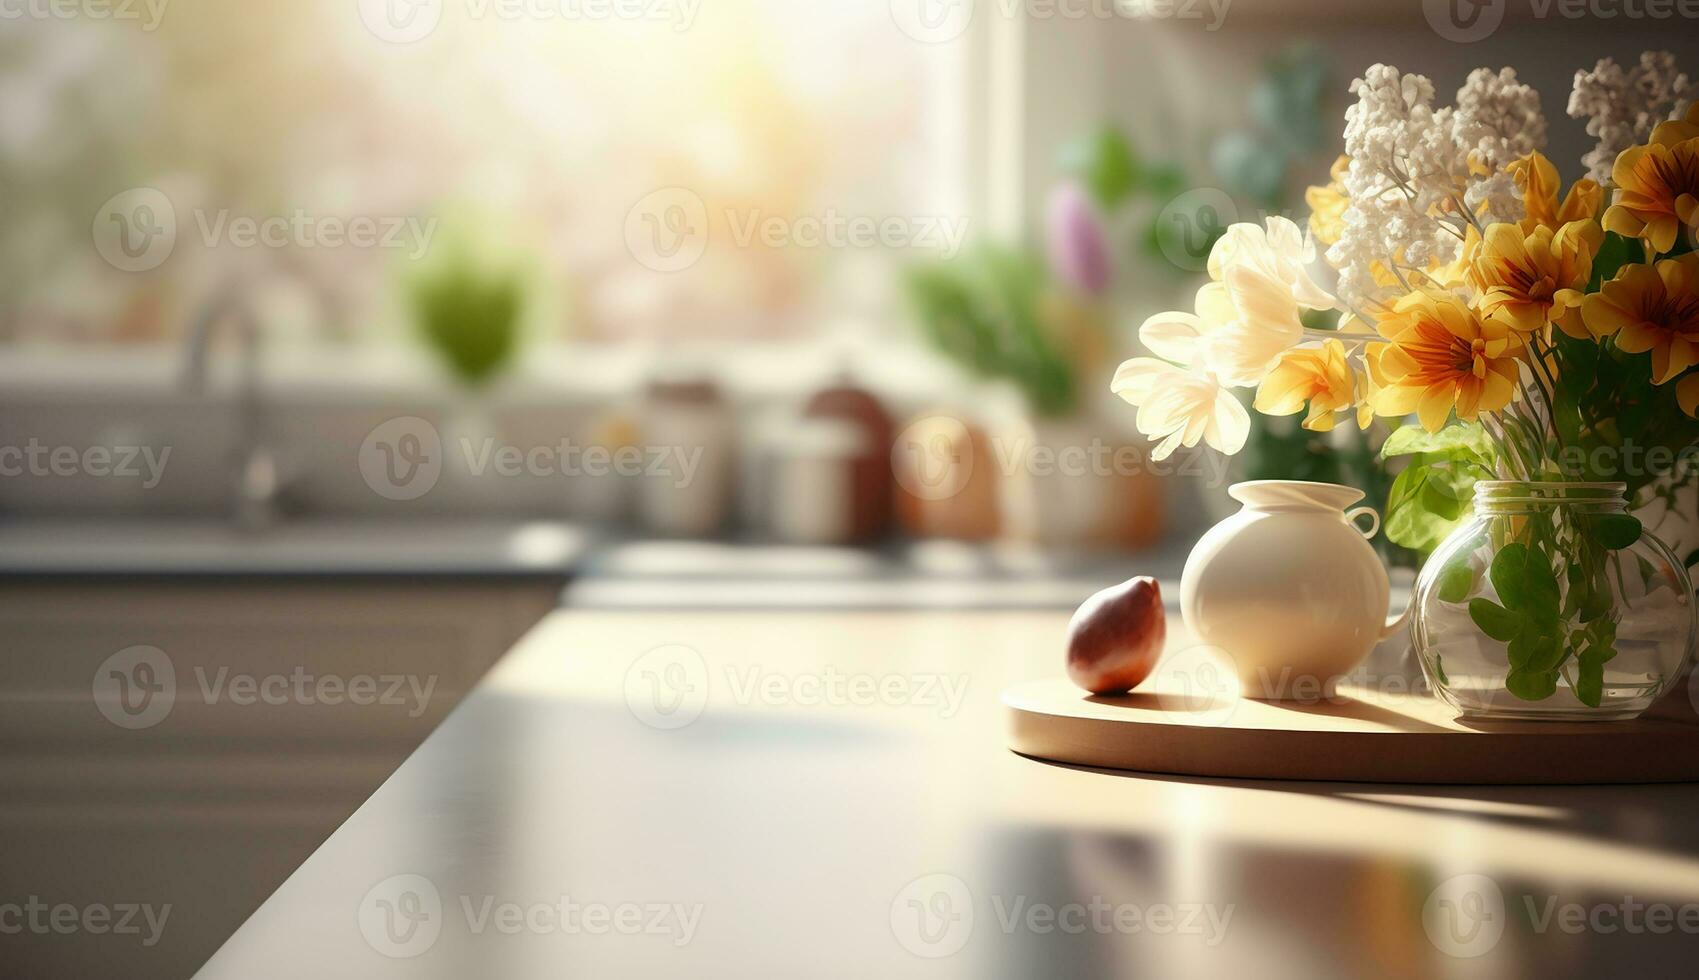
(1289, 589)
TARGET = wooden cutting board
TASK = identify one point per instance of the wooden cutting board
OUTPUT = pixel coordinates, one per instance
(1359, 736)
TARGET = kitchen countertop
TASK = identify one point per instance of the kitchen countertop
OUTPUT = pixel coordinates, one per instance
(790, 793)
(934, 574)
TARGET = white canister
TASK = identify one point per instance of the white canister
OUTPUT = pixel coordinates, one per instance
(688, 434)
(813, 491)
(1289, 589)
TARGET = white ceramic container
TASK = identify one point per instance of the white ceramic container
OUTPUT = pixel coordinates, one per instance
(1289, 589)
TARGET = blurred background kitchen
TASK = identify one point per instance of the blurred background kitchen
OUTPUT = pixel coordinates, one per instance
(556, 246)
(351, 331)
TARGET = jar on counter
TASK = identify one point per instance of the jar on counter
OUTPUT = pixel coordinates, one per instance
(871, 426)
(689, 442)
(812, 467)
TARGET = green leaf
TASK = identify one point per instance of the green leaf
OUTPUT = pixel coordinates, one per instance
(1589, 589)
(1510, 574)
(1692, 558)
(1520, 650)
(1403, 506)
(1535, 651)
(1531, 685)
(1456, 581)
(1462, 436)
(1546, 652)
(1577, 590)
(1496, 621)
(1319, 319)
(1544, 593)
(1617, 531)
(1410, 520)
(1590, 679)
(1449, 489)
(1525, 582)
(1107, 164)
(469, 315)
(1567, 415)
(1595, 602)
(1439, 501)
(1603, 634)
(1582, 356)
(1614, 253)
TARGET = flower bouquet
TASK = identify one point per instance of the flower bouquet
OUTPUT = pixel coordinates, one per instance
(1544, 340)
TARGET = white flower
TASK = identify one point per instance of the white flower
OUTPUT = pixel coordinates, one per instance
(1264, 325)
(1179, 336)
(1496, 198)
(1181, 407)
(1498, 119)
(1622, 108)
(1279, 250)
(1413, 167)
(1248, 315)
(1245, 318)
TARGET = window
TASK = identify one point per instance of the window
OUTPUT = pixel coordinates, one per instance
(320, 151)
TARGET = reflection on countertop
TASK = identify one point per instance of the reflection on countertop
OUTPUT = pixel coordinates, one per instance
(936, 574)
(659, 794)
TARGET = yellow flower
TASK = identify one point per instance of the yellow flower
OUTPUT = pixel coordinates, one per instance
(1450, 275)
(1652, 308)
(1687, 393)
(1328, 203)
(1538, 180)
(1531, 279)
(1657, 185)
(1318, 375)
(1370, 380)
(1443, 355)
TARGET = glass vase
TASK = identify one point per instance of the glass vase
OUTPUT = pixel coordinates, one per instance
(1551, 603)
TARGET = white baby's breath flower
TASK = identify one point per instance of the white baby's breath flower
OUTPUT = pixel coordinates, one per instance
(1498, 119)
(1623, 107)
(1495, 198)
(1415, 170)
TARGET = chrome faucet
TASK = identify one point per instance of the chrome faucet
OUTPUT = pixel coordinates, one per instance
(255, 469)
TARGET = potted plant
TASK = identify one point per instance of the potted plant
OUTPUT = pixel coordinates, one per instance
(1000, 314)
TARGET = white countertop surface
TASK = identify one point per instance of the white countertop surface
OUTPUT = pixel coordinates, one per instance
(768, 826)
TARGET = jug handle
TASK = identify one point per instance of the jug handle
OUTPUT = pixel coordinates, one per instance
(1395, 624)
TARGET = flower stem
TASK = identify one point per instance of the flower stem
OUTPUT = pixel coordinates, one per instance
(1312, 333)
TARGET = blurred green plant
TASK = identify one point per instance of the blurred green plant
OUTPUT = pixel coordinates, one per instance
(1287, 126)
(985, 311)
(1108, 165)
(469, 313)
